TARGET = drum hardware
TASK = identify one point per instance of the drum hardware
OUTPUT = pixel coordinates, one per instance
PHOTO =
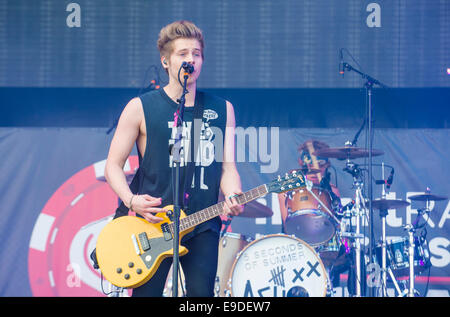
(408, 255)
(412, 227)
(383, 205)
(347, 152)
(333, 253)
(357, 212)
(411, 231)
(397, 288)
(352, 235)
(309, 189)
(427, 197)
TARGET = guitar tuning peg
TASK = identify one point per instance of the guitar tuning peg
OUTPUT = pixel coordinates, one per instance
(279, 178)
(286, 175)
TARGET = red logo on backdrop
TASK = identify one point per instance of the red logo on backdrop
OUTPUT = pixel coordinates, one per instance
(66, 231)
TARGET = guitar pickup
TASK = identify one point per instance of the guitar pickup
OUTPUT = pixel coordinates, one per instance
(143, 240)
(166, 231)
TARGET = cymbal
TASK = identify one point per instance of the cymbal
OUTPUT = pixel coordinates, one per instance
(384, 204)
(346, 152)
(427, 197)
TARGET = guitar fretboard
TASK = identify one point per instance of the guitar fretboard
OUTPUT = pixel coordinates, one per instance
(217, 209)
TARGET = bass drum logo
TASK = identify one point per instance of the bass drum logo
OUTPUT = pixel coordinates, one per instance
(66, 232)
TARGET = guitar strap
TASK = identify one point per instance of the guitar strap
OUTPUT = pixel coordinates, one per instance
(195, 135)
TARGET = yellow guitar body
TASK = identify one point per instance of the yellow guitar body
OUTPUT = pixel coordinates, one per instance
(130, 249)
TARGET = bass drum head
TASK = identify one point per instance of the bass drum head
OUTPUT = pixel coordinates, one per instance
(278, 266)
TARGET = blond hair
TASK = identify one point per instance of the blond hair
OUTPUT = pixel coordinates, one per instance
(177, 30)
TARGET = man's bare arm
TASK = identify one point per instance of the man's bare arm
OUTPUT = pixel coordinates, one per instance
(127, 132)
(230, 183)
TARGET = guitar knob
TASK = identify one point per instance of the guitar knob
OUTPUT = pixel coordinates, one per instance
(130, 265)
(127, 276)
(138, 271)
(119, 270)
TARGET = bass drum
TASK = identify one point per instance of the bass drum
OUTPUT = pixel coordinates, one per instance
(278, 266)
(230, 245)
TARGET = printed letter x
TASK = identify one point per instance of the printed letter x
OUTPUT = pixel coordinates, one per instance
(298, 275)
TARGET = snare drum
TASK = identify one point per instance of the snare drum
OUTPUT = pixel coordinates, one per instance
(278, 266)
(307, 219)
(333, 253)
(229, 247)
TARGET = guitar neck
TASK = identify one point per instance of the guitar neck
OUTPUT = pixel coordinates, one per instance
(206, 214)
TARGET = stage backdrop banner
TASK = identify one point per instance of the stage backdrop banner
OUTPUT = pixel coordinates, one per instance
(55, 199)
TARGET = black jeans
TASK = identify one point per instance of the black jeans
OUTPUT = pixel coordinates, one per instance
(199, 267)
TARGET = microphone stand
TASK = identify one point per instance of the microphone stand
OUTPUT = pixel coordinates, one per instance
(176, 156)
(370, 81)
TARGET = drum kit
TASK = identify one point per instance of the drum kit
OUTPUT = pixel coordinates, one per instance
(321, 235)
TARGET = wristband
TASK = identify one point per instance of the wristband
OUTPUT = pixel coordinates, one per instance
(131, 203)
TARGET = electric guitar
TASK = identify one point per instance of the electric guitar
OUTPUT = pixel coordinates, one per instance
(130, 249)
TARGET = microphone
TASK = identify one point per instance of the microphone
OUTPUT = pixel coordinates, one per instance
(188, 68)
(390, 179)
(341, 63)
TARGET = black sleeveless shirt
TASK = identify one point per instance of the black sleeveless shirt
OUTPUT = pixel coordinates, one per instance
(155, 167)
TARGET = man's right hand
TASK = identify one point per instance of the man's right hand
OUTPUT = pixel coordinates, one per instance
(146, 206)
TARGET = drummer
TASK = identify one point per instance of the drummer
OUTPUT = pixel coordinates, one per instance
(315, 169)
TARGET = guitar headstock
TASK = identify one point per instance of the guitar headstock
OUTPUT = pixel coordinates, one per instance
(288, 182)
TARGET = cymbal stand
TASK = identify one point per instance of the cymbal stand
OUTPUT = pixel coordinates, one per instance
(359, 210)
(411, 231)
(411, 245)
(383, 214)
(391, 274)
